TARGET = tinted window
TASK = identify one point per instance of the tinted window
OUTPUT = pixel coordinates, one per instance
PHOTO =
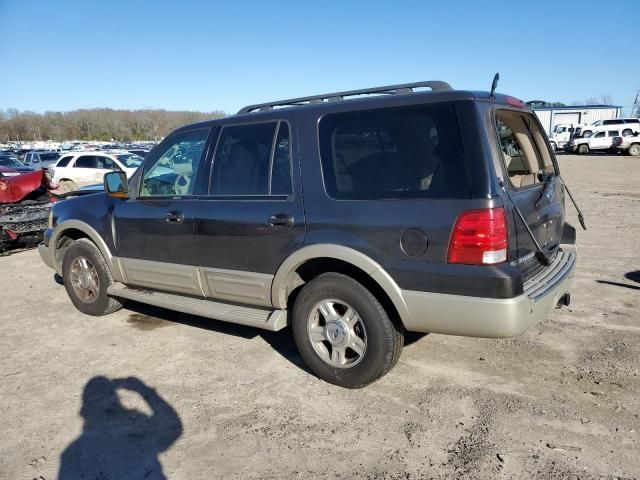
(48, 157)
(614, 133)
(632, 120)
(281, 168)
(243, 158)
(64, 161)
(176, 165)
(86, 161)
(403, 152)
(600, 134)
(106, 163)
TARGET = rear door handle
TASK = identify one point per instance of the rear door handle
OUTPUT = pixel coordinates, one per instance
(281, 220)
(174, 217)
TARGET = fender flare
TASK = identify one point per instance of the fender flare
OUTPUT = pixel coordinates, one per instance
(93, 235)
(285, 274)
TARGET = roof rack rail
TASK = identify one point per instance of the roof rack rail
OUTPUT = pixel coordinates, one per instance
(402, 89)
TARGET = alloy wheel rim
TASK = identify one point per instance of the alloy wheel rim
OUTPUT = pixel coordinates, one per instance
(84, 279)
(337, 333)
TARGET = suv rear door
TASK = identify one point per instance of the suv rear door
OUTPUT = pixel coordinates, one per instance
(525, 153)
(252, 217)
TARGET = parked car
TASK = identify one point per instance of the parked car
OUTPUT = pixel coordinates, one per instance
(600, 140)
(627, 126)
(41, 159)
(629, 145)
(352, 219)
(25, 203)
(11, 161)
(84, 168)
(137, 151)
(563, 133)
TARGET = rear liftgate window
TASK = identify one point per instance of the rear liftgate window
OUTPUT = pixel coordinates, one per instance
(401, 152)
(524, 149)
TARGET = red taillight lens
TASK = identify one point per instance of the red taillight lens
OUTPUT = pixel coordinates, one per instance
(479, 237)
(515, 102)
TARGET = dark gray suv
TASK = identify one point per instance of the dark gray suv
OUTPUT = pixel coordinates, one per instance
(351, 216)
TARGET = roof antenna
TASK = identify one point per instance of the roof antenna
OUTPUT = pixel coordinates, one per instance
(494, 84)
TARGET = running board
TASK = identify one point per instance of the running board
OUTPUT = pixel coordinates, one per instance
(273, 320)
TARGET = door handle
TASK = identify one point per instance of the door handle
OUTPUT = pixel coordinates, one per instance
(281, 220)
(174, 217)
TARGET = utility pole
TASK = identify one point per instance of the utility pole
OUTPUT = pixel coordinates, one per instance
(635, 109)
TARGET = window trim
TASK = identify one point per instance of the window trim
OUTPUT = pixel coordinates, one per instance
(151, 159)
(269, 196)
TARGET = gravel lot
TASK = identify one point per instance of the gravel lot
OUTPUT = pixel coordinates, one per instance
(560, 401)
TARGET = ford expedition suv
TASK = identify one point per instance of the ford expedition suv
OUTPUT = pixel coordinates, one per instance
(352, 217)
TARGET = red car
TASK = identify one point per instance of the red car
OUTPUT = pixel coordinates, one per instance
(25, 202)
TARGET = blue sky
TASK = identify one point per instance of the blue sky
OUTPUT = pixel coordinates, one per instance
(207, 55)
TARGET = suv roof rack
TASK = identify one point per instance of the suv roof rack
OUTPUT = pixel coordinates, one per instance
(401, 89)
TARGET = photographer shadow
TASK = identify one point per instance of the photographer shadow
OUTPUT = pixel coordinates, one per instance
(119, 442)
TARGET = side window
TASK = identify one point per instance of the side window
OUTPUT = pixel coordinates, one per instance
(86, 161)
(522, 154)
(614, 133)
(400, 152)
(241, 166)
(106, 163)
(281, 167)
(599, 134)
(176, 164)
(64, 161)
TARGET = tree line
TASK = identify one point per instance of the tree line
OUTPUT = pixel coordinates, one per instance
(95, 124)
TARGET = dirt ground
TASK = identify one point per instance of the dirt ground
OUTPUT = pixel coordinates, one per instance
(223, 401)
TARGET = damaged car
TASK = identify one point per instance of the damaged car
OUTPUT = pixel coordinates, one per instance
(25, 203)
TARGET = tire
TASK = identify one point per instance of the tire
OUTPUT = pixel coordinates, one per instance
(553, 146)
(378, 340)
(86, 279)
(67, 186)
(627, 132)
(587, 134)
(634, 150)
(583, 149)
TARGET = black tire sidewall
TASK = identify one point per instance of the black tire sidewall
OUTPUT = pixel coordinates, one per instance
(97, 307)
(374, 318)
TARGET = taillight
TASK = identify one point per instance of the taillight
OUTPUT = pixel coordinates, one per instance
(479, 237)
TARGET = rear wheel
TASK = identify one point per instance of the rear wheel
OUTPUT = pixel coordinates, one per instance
(583, 149)
(86, 279)
(343, 333)
(587, 133)
(67, 186)
(634, 150)
(626, 132)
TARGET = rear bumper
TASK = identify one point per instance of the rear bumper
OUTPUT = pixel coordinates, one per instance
(487, 317)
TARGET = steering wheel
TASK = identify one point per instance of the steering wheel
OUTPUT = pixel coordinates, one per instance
(181, 185)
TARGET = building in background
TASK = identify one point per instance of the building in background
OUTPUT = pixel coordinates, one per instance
(585, 114)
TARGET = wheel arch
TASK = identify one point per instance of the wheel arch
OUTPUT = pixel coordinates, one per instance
(71, 230)
(310, 261)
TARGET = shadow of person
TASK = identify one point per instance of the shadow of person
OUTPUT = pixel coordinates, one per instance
(118, 442)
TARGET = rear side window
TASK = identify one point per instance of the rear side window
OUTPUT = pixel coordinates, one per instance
(614, 133)
(86, 161)
(252, 160)
(64, 161)
(402, 152)
(599, 134)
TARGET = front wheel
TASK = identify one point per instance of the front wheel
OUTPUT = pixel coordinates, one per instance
(86, 278)
(627, 132)
(583, 149)
(67, 186)
(343, 333)
(553, 146)
(587, 133)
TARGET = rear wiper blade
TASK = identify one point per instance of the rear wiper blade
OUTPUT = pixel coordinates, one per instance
(539, 253)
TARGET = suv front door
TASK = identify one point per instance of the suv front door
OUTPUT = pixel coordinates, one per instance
(252, 218)
(154, 228)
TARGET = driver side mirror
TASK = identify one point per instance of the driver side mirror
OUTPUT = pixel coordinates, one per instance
(116, 185)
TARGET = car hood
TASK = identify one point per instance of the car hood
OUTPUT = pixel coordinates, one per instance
(14, 189)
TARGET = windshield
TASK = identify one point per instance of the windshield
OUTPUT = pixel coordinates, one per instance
(130, 160)
(10, 162)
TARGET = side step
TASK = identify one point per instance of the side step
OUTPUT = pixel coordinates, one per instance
(273, 320)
